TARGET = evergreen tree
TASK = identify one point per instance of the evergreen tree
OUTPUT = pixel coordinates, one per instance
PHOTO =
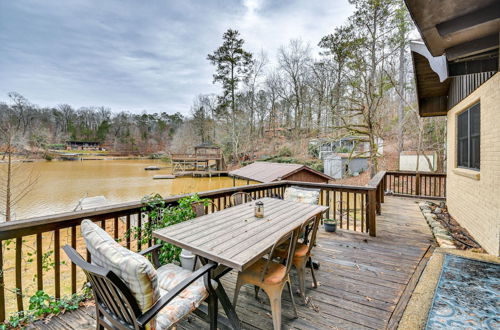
(233, 65)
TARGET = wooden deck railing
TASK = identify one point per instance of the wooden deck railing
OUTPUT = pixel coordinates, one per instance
(424, 184)
(196, 156)
(30, 249)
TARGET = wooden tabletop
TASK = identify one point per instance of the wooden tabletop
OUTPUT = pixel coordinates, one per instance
(234, 237)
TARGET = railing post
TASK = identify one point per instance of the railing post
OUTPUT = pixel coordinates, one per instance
(2, 294)
(383, 189)
(372, 214)
(377, 196)
(417, 184)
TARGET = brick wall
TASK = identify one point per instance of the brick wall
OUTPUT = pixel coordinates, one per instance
(473, 197)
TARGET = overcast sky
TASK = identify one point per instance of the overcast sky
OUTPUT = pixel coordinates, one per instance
(141, 55)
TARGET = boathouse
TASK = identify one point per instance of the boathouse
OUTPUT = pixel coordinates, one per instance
(268, 172)
(206, 157)
(83, 145)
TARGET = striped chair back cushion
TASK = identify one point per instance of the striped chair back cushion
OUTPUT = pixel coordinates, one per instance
(133, 269)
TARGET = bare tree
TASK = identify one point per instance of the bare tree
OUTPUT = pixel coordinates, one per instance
(294, 61)
(368, 83)
(252, 85)
(15, 182)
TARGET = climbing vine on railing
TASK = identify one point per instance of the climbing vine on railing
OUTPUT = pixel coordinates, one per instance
(160, 215)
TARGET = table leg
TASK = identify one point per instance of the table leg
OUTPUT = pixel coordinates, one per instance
(223, 298)
(228, 306)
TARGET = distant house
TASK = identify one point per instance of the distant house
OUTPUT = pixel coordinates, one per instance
(456, 73)
(83, 145)
(346, 144)
(268, 172)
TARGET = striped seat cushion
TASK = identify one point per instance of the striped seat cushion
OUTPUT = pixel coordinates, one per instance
(188, 300)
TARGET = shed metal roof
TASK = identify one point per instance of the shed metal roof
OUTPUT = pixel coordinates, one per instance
(268, 172)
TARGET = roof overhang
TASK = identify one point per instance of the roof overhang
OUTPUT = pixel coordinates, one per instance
(431, 78)
(451, 24)
(308, 169)
(459, 38)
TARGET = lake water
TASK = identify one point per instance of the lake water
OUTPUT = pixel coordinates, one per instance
(61, 184)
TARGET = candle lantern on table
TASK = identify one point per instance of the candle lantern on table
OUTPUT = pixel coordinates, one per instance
(259, 209)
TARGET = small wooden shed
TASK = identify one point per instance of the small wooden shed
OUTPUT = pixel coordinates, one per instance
(268, 172)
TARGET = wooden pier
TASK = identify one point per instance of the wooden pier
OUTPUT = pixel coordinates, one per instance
(206, 157)
(202, 174)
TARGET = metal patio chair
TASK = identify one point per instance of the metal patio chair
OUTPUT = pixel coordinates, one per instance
(271, 276)
(240, 198)
(130, 293)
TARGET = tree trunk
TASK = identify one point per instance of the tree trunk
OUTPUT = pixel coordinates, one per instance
(402, 66)
(9, 179)
(233, 117)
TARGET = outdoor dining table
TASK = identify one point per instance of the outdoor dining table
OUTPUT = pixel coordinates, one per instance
(234, 238)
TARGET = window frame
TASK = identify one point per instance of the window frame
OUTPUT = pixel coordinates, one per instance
(469, 137)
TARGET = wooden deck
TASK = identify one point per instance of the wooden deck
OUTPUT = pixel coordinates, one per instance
(365, 282)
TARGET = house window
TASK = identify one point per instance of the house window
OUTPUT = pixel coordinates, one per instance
(468, 138)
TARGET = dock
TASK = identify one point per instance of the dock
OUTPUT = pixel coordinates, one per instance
(164, 176)
(201, 174)
(207, 157)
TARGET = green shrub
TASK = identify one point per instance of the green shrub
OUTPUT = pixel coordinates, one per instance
(318, 166)
(343, 150)
(285, 152)
(56, 146)
(42, 305)
(313, 150)
(161, 215)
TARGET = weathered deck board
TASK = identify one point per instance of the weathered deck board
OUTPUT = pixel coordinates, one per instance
(363, 280)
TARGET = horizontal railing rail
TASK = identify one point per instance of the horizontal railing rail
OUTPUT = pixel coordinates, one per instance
(421, 184)
(32, 247)
(195, 156)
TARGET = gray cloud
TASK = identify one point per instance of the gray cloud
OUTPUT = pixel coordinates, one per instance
(140, 55)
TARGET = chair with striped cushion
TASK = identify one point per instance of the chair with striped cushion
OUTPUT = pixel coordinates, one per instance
(302, 195)
(130, 293)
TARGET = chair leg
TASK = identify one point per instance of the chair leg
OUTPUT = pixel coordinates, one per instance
(99, 326)
(291, 297)
(213, 310)
(256, 288)
(315, 283)
(302, 281)
(239, 283)
(274, 294)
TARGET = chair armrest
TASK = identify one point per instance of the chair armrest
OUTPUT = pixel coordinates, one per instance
(154, 253)
(163, 301)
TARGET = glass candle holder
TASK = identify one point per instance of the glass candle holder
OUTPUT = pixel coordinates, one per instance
(259, 210)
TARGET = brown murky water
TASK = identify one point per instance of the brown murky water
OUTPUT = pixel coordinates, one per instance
(61, 184)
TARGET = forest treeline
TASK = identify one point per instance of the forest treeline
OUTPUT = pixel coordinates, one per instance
(43, 127)
(357, 84)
